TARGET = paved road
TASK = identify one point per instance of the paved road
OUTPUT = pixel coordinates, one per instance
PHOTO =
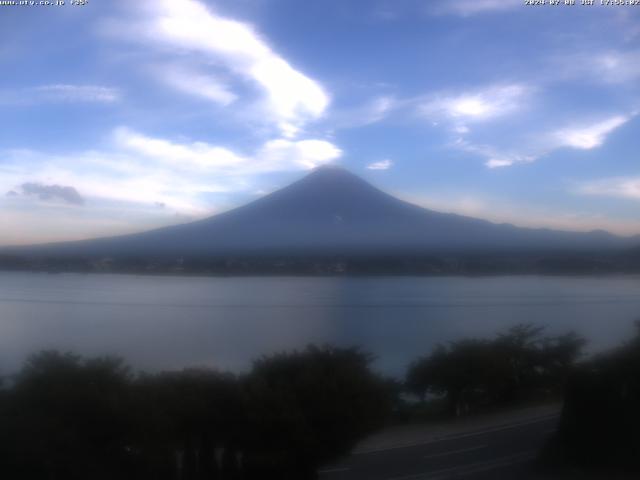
(500, 452)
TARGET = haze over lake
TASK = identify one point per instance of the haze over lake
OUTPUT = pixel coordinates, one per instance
(172, 322)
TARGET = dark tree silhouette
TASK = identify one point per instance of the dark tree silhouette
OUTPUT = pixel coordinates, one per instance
(64, 417)
(189, 423)
(309, 407)
(600, 419)
(515, 366)
(67, 418)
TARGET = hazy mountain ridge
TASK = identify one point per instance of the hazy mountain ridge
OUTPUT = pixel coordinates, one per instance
(333, 212)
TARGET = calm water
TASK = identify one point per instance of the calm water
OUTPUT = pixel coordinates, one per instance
(171, 322)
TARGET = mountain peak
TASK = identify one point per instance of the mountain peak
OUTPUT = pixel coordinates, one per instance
(328, 186)
(331, 170)
(332, 210)
(333, 176)
(329, 167)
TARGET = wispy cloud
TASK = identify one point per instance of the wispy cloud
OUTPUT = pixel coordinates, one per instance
(141, 170)
(78, 93)
(615, 67)
(197, 84)
(373, 111)
(60, 93)
(195, 155)
(621, 187)
(588, 136)
(580, 136)
(273, 155)
(462, 108)
(189, 27)
(381, 165)
(495, 157)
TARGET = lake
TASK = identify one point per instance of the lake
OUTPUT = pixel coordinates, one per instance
(172, 322)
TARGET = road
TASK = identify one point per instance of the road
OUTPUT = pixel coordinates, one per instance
(495, 452)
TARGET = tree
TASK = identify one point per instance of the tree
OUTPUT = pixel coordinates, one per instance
(600, 419)
(462, 372)
(67, 417)
(185, 420)
(309, 407)
(514, 366)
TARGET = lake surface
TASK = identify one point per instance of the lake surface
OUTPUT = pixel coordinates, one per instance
(172, 322)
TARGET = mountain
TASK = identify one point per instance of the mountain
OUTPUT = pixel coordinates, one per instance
(332, 211)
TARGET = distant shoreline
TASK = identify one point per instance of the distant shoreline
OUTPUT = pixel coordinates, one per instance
(285, 274)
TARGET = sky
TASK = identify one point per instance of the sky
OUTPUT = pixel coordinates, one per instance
(121, 116)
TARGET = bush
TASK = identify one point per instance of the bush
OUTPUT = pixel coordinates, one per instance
(516, 366)
(68, 418)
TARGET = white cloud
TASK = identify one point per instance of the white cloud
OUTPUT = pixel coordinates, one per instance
(200, 155)
(189, 27)
(138, 171)
(273, 155)
(500, 162)
(60, 93)
(381, 165)
(586, 137)
(282, 154)
(622, 187)
(474, 106)
(472, 7)
(194, 83)
(494, 157)
(371, 112)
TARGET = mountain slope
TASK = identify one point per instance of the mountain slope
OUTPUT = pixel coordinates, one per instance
(333, 211)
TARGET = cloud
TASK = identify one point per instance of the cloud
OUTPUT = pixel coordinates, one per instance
(582, 136)
(190, 28)
(610, 66)
(381, 165)
(51, 192)
(621, 187)
(60, 93)
(283, 154)
(500, 162)
(273, 155)
(136, 171)
(586, 137)
(77, 93)
(467, 8)
(194, 155)
(456, 109)
(197, 84)
(371, 112)
(474, 106)
(495, 157)
(618, 67)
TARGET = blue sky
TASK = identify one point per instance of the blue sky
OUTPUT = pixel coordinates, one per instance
(121, 116)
